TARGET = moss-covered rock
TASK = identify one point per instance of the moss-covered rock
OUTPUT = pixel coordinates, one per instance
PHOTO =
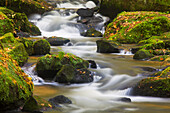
(41, 47)
(157, 86)
(142, 54)
(107, 46)
(28, 44)
(68, 74)
(111, 8)
(92, 33)
(13, 48)
(8, 38)
(17, 52)
(6, 24)
(27, 6)
(20, 22)
(48, 66)
(16, 86)
(36, 104)
(132, 27)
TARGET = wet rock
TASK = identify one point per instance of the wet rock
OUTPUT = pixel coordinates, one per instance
(106, 46)
(92, 33)
(31, 105)
(142, 55)
(92, 64)
(61, 99)
(85, 12)
(57, 41)
(41, 47)
(68, 74)
(125, 99)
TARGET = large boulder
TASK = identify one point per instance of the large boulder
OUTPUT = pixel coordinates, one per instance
(27, 6)
(142, 54)
(92, 33)
(111, 8)
(106, 46)
(57, 41)
(157, 86)
(48, 66)
(16, 86)
(132, 27)
(20, 22)
(41, 47)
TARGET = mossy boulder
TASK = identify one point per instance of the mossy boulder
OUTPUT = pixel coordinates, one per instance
(142, 54)
(13, 48)
(157, 86)
(57, 41)
(8, 38)
(20, 22)
(6, 24)
(107, 46)
(36, 104)
(132, 27)
(48, 66)
(111, 8)
(16, 86)
(28, 44)
(92, 33)
(27, 6)
(41, 47)
(17, 52)
(68, 74)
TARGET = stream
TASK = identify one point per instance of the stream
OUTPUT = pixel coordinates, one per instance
(114, 76)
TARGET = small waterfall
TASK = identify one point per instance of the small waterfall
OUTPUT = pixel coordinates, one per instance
(62, 22)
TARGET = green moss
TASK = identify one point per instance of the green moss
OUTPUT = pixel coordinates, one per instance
(27, 6)
(142, 54)
(15, 84)
(153, 86)
(20, 22)
(28, 44)
(41, 47)
(6, 24)
(132, 27)
(8, 38)
(18, 53)
(47, 66)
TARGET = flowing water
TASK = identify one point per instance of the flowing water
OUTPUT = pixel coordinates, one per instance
(114, 76)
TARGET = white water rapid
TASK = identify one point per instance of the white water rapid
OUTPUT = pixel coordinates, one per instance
(111, 82)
